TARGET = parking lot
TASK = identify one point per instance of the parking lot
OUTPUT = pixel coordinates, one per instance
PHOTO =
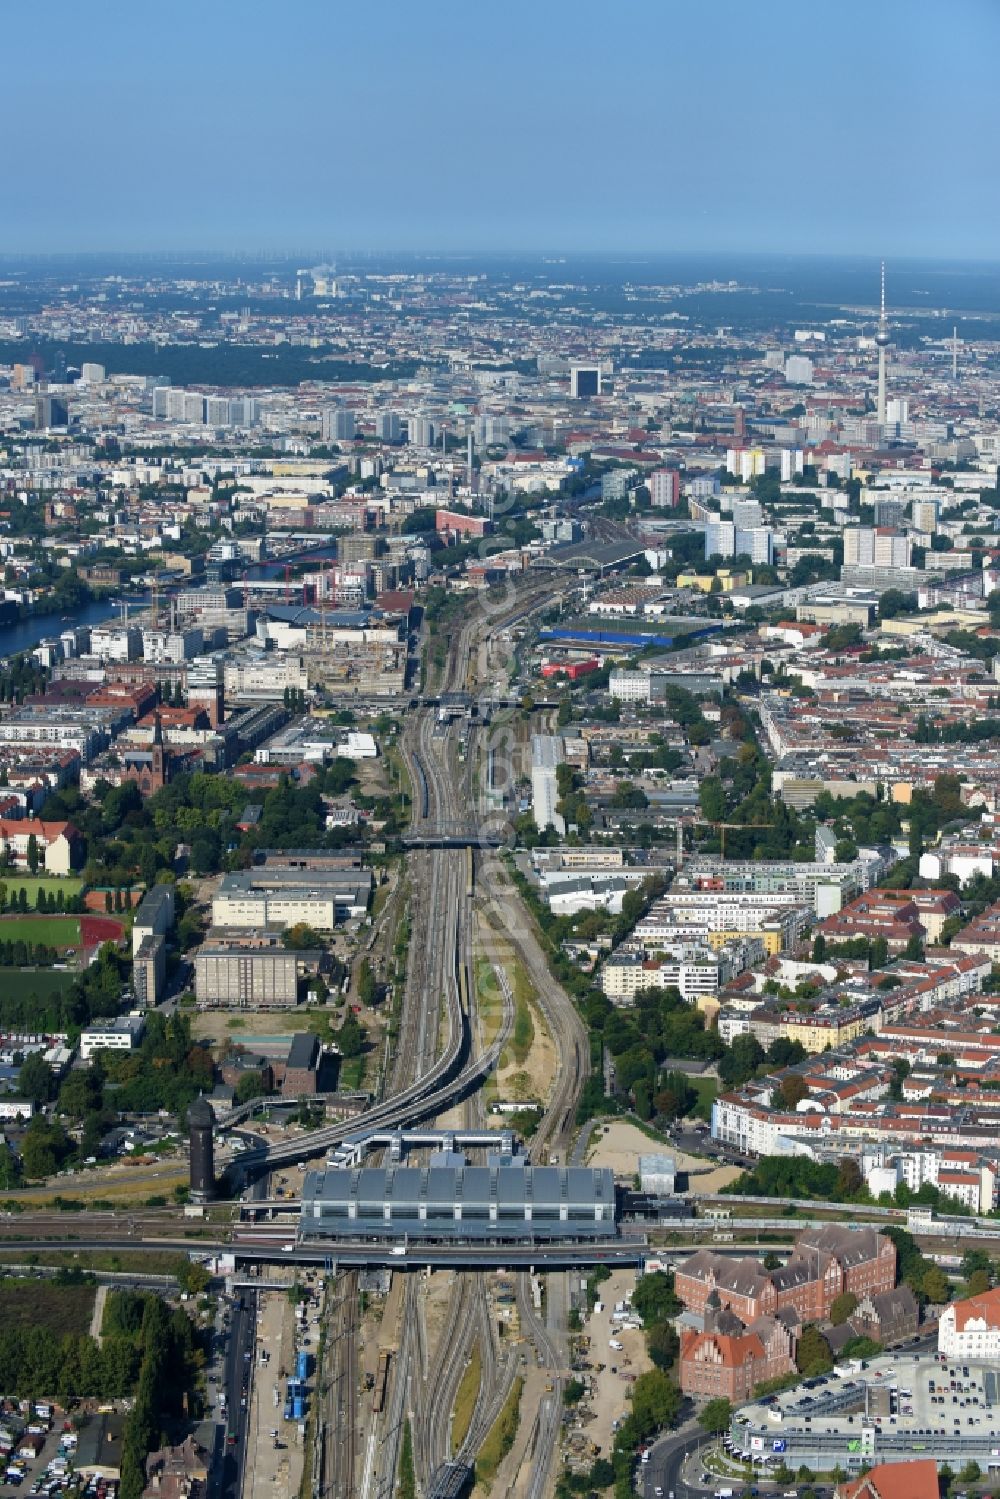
(39, 1454)
(884, 1410)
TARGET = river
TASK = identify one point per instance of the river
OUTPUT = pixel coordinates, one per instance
(26, 633)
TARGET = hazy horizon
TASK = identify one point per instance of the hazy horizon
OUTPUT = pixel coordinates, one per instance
(564, 128)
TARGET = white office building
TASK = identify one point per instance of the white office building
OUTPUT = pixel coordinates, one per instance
(798, 370)
(637, 686)
(121, 1034)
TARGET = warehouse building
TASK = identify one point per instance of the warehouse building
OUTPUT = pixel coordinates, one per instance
(459, 1202)
(263, 896)
(252, 977)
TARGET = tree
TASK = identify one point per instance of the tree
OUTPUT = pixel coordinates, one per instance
(80, 1094)
(935, 1285)
(32, 854)
(44, 1148)
(9, 1169)
(655, 1402)
(712, 799)
(793, 1089)
(676, 1098)
(654, 1298)
(574, 1391)
(843, 1307)
(849, 1178)
(663, 1345)
(366, 983)
(250, 1085)
(741, 1061)
(785, 1053)
(36, 1080)
(350, 1038)
(974, 1260)
(842, 637)
(716, 1416)
(978, 1283)
(193, 1278)
(302, 938)
(813, 1356)
(895, 602)
(971, 1473)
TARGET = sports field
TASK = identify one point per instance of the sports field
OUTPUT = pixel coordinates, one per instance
(22, 983)
(61, 932)
(55, 931)
(14, 882)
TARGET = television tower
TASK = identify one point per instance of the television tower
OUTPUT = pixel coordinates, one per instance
(882, 340)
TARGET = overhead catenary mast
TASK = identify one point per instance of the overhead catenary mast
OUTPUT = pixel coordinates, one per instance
(882, 339)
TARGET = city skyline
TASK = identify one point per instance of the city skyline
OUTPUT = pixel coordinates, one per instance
(662, 131)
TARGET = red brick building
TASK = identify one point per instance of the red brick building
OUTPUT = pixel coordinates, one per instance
(729, 1360)
(824, 1262)
(301, 1076)
(453, 523)
(149, 769)
(741, 1285)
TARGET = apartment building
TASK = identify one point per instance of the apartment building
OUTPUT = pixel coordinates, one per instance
(694, 971)
(970, 1329)
(780, 920)
(58, 845)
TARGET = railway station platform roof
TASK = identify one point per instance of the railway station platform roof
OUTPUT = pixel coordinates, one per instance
(513, 1200)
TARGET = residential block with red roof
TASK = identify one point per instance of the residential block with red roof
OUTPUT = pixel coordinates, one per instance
(970, 1329)
(59, 845)
(913, 1480)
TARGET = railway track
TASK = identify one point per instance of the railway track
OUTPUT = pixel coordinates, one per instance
(551, 1404)
(426, 1074)
(337, 1438)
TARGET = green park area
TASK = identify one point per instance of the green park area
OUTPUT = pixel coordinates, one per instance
(59, 1308)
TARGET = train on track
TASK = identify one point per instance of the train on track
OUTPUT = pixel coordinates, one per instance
(381, 1381)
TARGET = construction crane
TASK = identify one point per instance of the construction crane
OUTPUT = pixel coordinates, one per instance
(705, 822)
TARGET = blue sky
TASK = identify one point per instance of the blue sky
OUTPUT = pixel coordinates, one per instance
(869, 126)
